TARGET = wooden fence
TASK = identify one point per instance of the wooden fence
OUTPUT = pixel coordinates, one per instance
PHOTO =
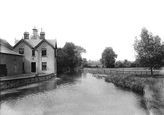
(117, 71)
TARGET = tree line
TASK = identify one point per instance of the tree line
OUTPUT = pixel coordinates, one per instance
(149, 49)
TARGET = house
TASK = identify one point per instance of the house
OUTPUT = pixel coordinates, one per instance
(39, 52)
(10, 61)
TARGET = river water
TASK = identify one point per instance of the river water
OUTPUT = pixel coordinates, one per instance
(80, 94)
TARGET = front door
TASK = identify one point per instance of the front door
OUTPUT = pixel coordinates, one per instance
(33, 66)
(3, 70)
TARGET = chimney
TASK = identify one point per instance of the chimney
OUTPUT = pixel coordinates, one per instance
(26, 35)
(42, 35)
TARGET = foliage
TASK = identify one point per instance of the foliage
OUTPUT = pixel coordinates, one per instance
(61, 57)
(119, 64)
(108, 57)
(84, 62)
(69, 57)
(150, 50)
(124, 63)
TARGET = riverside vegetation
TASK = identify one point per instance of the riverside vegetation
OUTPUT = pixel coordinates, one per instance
(152, 88)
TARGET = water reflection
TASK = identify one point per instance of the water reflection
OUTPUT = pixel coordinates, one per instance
(13, 94)
(80, 94)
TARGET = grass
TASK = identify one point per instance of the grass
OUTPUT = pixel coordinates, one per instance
(134, 71)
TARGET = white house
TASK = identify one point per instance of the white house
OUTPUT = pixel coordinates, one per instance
(39, 53)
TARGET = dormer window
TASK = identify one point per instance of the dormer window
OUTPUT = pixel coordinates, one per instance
(21, 50)
(44, 52)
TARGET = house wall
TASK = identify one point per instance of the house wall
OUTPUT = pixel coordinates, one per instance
(13, 63)
(27, 56)
(50, 58)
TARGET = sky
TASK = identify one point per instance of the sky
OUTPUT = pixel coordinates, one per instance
(92, 24)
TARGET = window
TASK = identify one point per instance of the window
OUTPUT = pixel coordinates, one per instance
(44, 65)
(23, 67)
(21, 50)
(44, 52)
(33, 52)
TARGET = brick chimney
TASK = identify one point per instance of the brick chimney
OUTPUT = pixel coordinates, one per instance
(42, 35)
(26, 35)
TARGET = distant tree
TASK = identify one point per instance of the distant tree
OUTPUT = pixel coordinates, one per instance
(84, 62)
(150, 50)
(119, 64)
(126, 63)
(133, 64)
(108, 57)
(94, 63)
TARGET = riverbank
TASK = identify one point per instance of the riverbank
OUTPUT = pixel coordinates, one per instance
(151, 88)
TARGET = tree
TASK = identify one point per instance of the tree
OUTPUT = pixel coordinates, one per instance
(69, 57)
(119, 64)
(84, 62)
(61, 61)
(150, 50)
(126, 63)
(108, 57)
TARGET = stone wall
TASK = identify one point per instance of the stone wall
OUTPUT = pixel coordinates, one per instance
(8, 84)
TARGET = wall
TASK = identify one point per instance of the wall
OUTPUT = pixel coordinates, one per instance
(50, 58)
(27, 56)
(13, 63)
(8, 84)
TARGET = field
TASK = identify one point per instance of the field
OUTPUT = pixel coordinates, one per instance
(135, 71)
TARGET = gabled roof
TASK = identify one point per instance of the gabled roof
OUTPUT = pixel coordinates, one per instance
(23, 40)
(6, 48)
(49, 43)
(35, 43)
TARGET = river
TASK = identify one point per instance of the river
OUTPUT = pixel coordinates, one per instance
(80, 94)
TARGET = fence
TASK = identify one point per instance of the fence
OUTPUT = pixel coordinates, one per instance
(117, 71)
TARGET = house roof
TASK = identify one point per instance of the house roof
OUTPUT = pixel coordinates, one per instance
(23, 40)
(6, 48)
(50, 42)
(35, 43)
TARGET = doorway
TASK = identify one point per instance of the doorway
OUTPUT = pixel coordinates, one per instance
(3, 70)
(33, 66)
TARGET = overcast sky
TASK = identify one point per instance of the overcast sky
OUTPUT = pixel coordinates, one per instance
(92, 24)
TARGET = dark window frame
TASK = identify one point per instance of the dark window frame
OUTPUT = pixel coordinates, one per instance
(33, 52)
(44, 52)
(21, 50)
(44, 66)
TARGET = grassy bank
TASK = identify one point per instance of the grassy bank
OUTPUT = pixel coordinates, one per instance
(151, 88)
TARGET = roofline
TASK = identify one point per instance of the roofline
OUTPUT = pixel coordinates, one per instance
(22, 40)
(11, 54)
(44, 40)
